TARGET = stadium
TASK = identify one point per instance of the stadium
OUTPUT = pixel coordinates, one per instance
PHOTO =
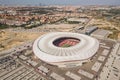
(65, 49)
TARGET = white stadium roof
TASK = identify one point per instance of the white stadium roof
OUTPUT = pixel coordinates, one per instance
(44, 48)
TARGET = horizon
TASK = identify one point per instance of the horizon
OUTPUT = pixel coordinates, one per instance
(58, 2)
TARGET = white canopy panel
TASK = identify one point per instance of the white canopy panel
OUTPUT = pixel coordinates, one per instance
(44, 48)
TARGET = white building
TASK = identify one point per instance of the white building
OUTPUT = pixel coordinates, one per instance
(65, 49)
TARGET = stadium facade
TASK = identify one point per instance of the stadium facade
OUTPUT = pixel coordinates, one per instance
(65, 49)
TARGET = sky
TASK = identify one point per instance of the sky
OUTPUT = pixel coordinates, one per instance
(60, 2)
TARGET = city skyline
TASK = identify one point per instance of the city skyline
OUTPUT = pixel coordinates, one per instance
(60, 2)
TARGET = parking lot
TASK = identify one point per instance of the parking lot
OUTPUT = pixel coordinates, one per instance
(28, 67)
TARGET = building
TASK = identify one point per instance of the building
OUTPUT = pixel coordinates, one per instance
(65, 49)
(78, 20)
(101, 34)
(90, 29)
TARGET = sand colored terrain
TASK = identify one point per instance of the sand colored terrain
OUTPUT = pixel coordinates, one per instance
(119, 36)
(61, 27)
(103, 24)
(99, 22)
(12, 39)
(9, 39)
